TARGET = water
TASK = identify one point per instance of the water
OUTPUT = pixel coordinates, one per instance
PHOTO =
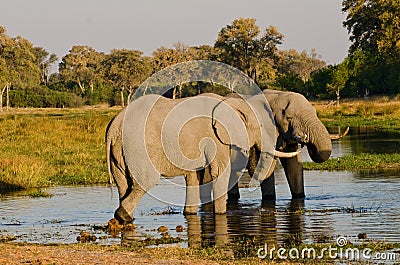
(337, 204)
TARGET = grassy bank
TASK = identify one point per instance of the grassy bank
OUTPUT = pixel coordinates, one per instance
(44, 147)
(358, 162)
(380, 112)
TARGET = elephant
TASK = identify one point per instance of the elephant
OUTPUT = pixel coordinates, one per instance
(142, 146)
(297, 123)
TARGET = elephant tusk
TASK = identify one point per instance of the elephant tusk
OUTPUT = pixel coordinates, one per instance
(339, 136)
(285, 155)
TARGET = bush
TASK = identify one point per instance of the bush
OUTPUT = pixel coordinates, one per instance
(42, 97)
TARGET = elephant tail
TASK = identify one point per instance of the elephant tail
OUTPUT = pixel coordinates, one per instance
(108, 152)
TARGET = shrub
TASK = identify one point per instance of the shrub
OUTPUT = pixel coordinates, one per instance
(42, 97)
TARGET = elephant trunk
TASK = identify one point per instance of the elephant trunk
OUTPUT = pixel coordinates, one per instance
(319, 142)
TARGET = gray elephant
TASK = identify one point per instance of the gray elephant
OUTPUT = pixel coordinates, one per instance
(297, 123)
(154, 147)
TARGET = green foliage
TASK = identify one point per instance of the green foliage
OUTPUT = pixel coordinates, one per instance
(374, 26)
(126, 70)
(39, 193)
(302, 64)
(291, 82)
(243, 46)
(44, 62)
(358, 162)
(42, 97)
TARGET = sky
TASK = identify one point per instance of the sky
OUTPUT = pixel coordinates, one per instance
(149, 24)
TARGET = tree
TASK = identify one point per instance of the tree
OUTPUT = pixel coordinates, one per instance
(204, 52)
(301, 64)
(164, 57)
(241, 45)
(126, 70)
(44, 61)
(374, 26)
(340, 76)
(4, 85)
(81, 66)
(18, 67)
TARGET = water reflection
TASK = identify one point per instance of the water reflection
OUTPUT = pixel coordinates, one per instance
(365, 139)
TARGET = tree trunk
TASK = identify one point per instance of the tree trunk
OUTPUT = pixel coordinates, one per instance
(174, 93)
(1, 98)
(82, 87)
(337, 97)
(128, 100)
(179, 91)
(6, 88)
(122, 97)
(8, 97)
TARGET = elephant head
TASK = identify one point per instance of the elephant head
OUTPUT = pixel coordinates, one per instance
(256, 116)
(297, 122)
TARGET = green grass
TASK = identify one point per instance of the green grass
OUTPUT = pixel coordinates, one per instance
(383, 113)
(39, 193)
(358, 162)
(53, 147)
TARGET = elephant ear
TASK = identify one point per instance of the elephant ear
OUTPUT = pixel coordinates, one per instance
(230, 123)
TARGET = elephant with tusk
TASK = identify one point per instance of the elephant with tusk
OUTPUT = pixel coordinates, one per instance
(155, 136)
(297, 124)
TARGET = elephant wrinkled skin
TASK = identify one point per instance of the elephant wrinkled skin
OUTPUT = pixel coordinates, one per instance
(134, 179)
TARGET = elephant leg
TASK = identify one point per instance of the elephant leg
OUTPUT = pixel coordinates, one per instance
(119, 172)
(294, 172)
(268, 188)
(124, 213)
(206, 185)
(220, 189)
(233, 186)
(233, 193)
(239, 161)
(192, 193)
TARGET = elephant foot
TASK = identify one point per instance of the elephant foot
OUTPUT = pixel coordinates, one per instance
(268, 197)
(233, 198)
(122, 216)
(114, 226)
(297, 196)
(268, 204)
(190, 210)
(220, 206)
(207, 207)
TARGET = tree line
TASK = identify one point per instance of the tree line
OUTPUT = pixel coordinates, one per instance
(87, 76)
